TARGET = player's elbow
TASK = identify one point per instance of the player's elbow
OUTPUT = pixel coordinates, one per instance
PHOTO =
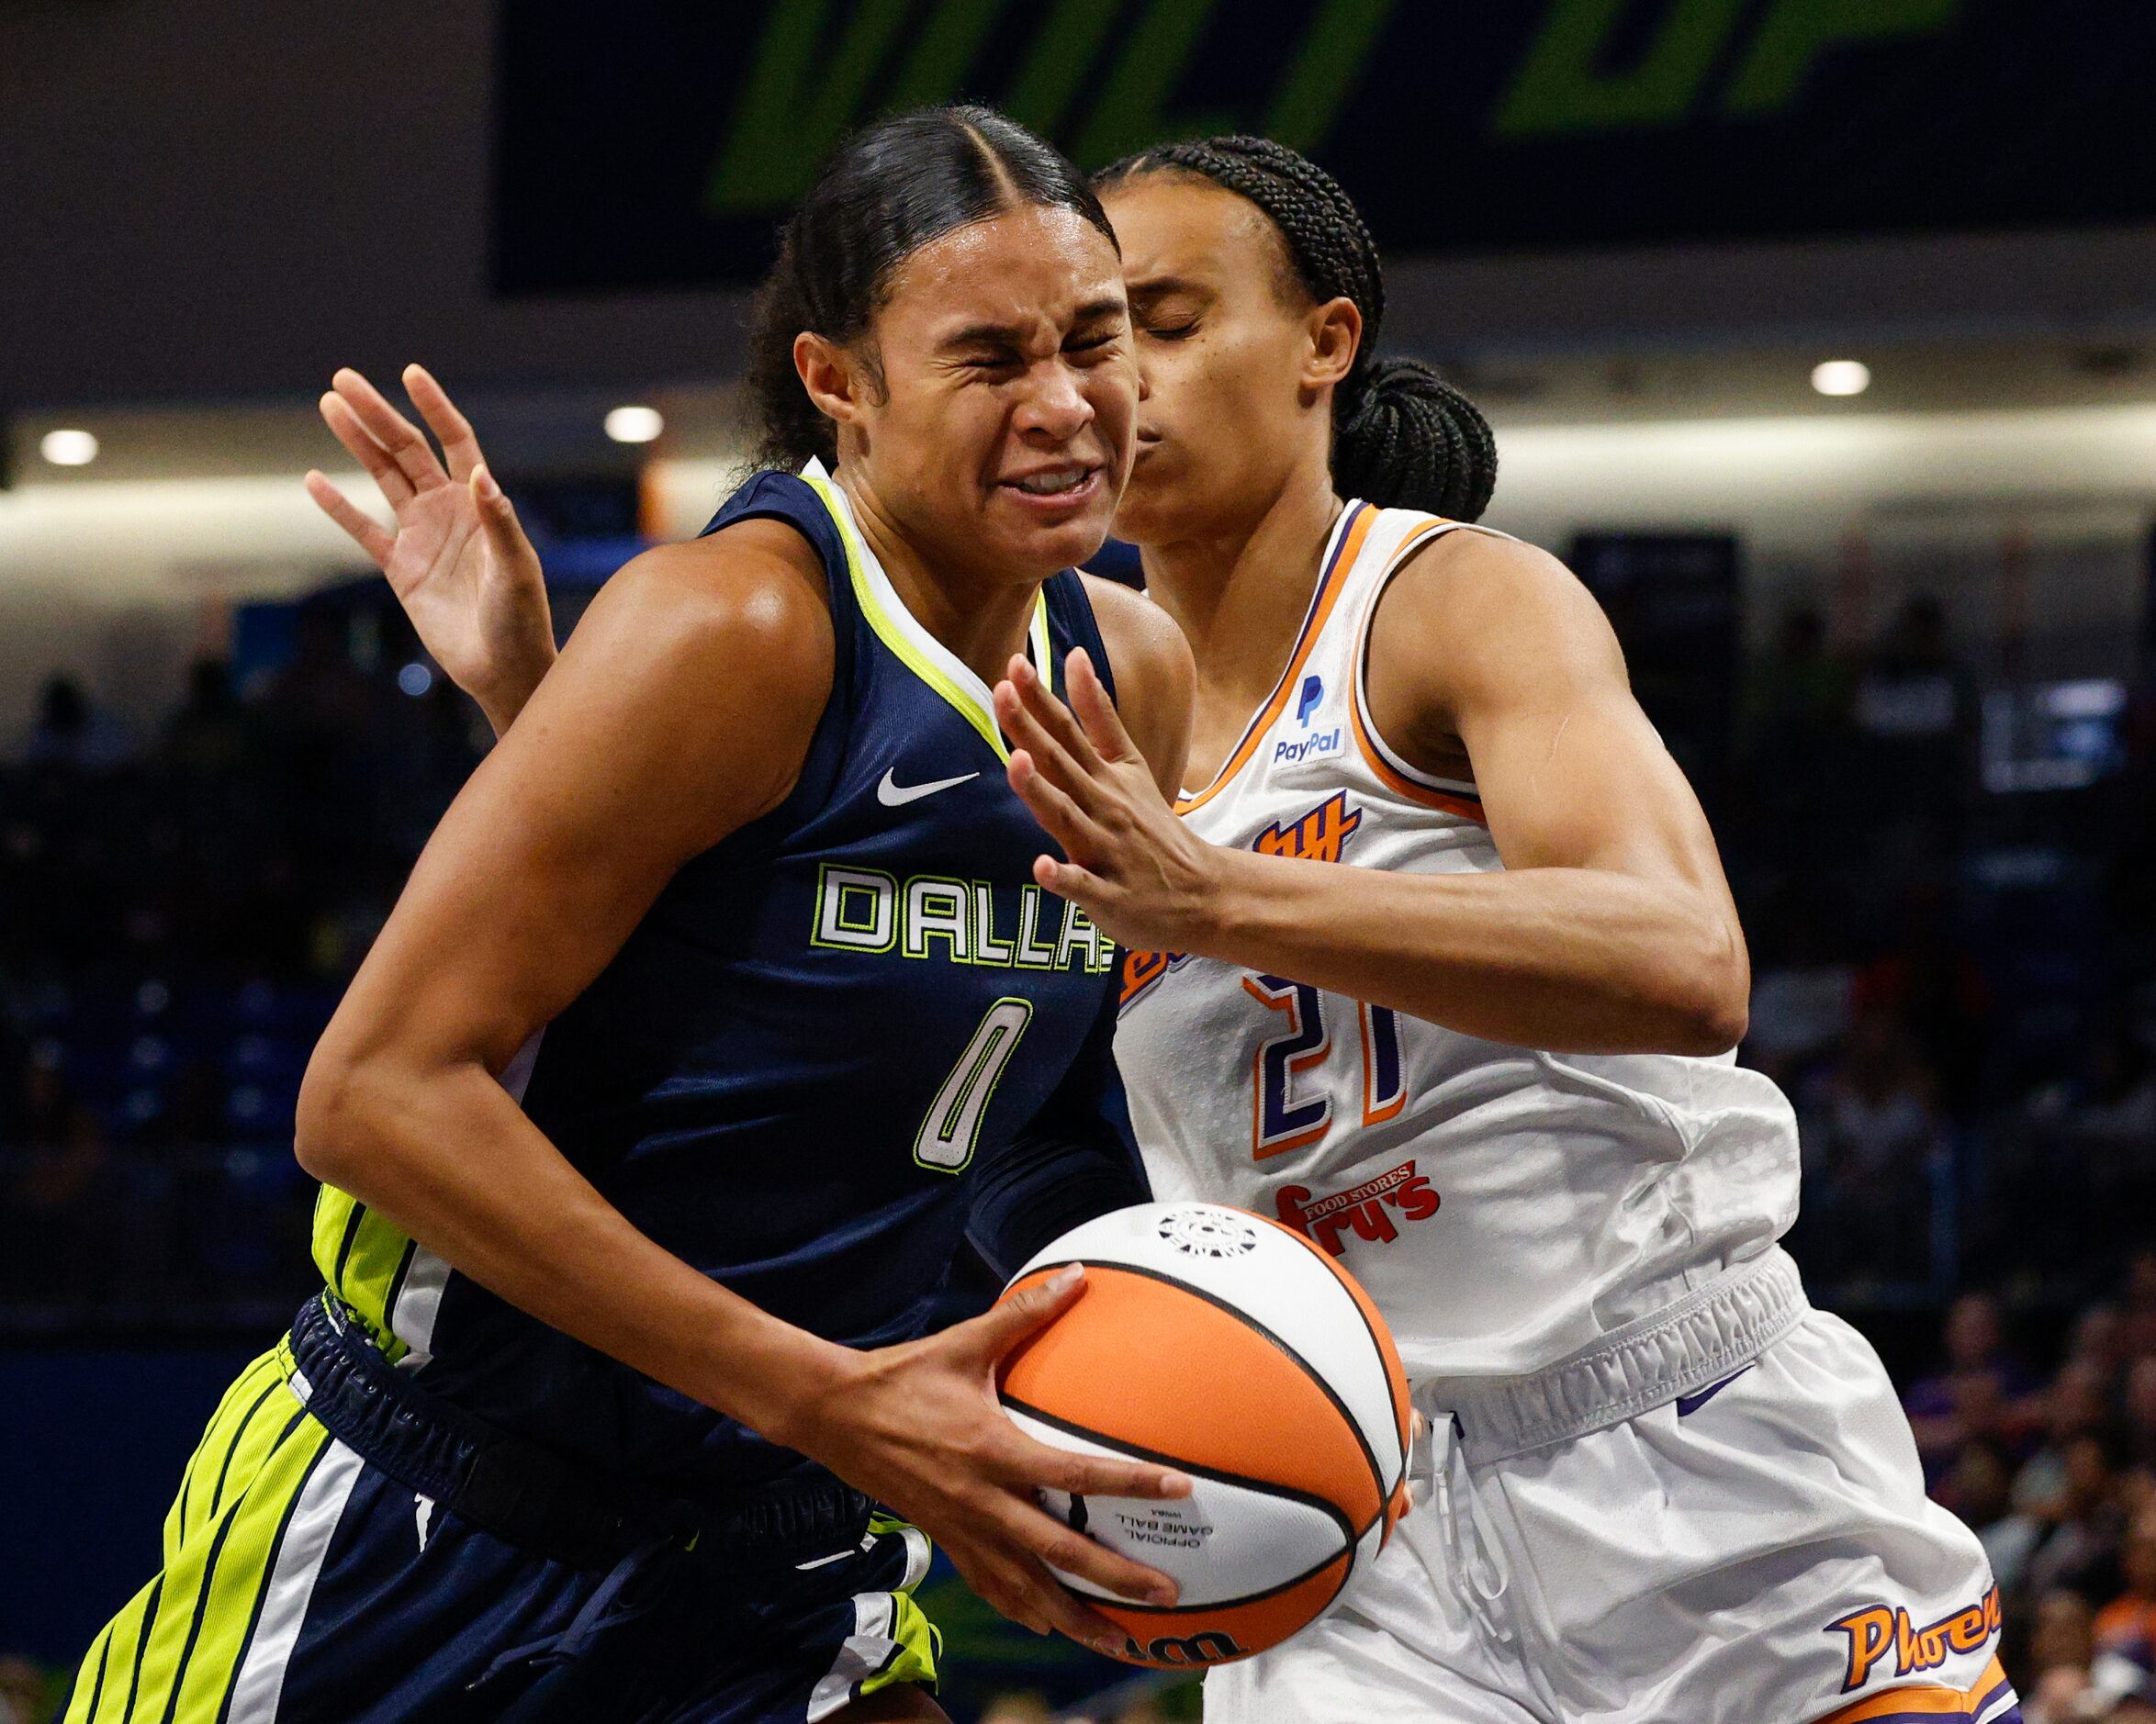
(1713, 1007)
(1716, 1025)
(337, 1120)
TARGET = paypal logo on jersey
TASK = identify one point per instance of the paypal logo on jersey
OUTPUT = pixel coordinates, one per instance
(1319, 744)
(1306, 702)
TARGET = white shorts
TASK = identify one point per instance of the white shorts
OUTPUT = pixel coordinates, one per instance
(1759, 1551)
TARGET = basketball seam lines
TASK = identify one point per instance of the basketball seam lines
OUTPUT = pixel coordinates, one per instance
(1377, 1347)
(1302, 1364)
(1349, 1549)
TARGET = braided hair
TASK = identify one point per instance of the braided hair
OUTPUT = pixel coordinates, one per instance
(1402, 436)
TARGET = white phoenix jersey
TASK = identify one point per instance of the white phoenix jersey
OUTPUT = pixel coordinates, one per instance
(1504, 1206)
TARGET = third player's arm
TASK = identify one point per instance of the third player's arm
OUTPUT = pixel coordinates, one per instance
(1609, 930)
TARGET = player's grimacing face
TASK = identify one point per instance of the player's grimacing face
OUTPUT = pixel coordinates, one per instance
(1225, 417)
(1004, 425)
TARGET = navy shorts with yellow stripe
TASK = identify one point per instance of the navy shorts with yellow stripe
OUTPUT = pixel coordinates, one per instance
(304, 1586)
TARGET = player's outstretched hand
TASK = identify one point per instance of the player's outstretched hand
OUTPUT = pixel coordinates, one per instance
(457, 560)
(1144, 877)
(918, 1427)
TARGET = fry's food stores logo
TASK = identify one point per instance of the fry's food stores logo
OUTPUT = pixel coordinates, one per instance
(1362, 1208)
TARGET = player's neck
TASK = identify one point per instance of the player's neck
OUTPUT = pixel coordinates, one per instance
(1239, 597)
(982, 616)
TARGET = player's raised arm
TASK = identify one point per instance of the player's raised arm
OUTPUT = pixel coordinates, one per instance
(456, 557)
(681, 710)
(1610, 928)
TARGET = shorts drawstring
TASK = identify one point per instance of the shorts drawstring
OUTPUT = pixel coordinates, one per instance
(1478, 1575)
(620, 1598)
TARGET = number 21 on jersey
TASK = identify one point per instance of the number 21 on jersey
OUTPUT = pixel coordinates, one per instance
(1291, 1105)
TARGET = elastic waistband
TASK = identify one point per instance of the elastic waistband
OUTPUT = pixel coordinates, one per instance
(1711, 1332)
(540, 1501)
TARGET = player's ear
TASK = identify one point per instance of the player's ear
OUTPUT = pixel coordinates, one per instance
(832, 376)
(1334, 332)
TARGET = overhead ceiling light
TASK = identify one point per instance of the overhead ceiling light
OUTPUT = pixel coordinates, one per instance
(68, 448)
(634, 424)
(1841, 376)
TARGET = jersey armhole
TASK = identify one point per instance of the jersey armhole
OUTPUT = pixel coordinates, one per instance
(1069, 609)
(1450, 796)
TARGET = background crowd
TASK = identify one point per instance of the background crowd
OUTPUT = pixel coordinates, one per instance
(1957, 988)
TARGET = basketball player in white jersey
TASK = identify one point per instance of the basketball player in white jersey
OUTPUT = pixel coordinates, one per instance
(1439, 966)
(1485, 1061)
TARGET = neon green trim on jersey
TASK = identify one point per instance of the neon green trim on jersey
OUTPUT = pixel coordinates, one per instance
(896, 636)
(360, 1256)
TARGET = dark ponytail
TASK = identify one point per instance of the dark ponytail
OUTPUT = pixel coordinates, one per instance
(883, 194)
(1402, 436)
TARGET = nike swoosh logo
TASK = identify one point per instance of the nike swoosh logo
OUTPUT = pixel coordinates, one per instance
(891, 795)
(1687, 1405)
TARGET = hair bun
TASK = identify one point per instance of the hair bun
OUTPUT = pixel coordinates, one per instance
(1405, 438)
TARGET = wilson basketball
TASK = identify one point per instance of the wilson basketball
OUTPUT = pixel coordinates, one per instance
(1220, 1343)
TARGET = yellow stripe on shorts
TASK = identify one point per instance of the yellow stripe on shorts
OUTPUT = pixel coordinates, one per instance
(171, 1655)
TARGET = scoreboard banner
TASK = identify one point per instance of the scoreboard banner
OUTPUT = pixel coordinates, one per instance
(647, 145)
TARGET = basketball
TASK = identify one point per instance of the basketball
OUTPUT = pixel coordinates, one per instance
(1220, 1343)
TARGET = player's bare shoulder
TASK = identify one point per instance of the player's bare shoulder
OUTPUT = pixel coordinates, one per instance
(754, 584)
(1155, 675)
(1471, 615)
(712, 658)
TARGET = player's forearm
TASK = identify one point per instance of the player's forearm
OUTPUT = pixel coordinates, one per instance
(450, 1159)
(1575, 960)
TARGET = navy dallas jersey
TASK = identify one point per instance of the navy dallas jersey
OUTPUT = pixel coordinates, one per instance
(833, 1036)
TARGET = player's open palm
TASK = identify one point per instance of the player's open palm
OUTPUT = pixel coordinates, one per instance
(919, 1428)
(1136, 870)
(456, 558)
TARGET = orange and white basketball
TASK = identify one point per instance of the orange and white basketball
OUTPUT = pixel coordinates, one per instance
(1221, 1343)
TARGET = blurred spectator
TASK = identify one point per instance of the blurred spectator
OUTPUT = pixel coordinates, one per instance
(2055, 1696)
(1980, 1490)
(2063, 1635)
(1017, 1708)
(2127, 1624)
(2081, 1552)
(2076, 1404)
(71, 733)
(2140, 1411)
(2121, 1690)
(206, 737)
(1799, 1002)
(2099, 1341)
(55, 1217)
(1915, 697)
(23, 1698)
(1793, 717)
(2138, 1338)
(1929, 983)
(1872, 1135)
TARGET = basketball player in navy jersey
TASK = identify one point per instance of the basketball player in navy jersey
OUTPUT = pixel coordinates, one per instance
(718, 1006)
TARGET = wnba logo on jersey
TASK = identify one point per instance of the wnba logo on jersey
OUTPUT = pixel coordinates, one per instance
(1363, 1208)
